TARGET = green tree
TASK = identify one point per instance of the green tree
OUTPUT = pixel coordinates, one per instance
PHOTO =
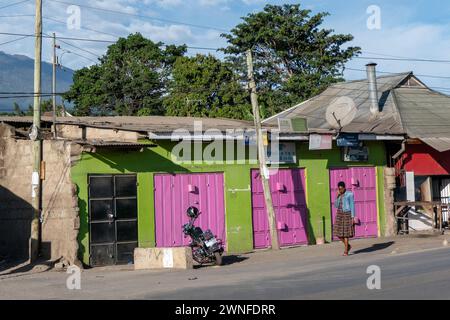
(17, 110)
(46, 106)
(130, 79)
(294, 58)
(204, 86)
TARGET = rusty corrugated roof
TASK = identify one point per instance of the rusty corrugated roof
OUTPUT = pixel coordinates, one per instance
(113, 144)
(143, 124)
(314, 109)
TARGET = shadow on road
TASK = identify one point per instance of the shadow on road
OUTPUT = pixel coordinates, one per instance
(227, 260)
(24, 267)
(375, 247)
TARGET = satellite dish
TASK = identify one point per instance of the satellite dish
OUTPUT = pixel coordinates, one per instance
(341, 112)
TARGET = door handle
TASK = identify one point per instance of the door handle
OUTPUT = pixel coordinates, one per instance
(110, 217)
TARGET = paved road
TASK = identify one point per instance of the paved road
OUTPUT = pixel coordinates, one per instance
(289, 274)
(423, 275)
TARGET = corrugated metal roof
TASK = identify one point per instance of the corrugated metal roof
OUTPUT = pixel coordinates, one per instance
(114, 144)
(314, 109)
(415, 111)
(440, 144)
(425, 113)
(143, 124)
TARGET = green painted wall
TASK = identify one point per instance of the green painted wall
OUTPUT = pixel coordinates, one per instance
(149, 161)
(157, 160)
(317, 164)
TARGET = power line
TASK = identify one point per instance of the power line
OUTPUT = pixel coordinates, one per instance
(403, 59)
(31, 93)
(16, 15)
(14, 4)
(75, 53)
(141, 16)
(14, 40)
(66, 38)
(83, 27)
(25, 96)
(419, 75)
(117, 36)
(80, 55)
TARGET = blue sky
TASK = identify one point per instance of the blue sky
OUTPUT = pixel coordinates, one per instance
(418, 30)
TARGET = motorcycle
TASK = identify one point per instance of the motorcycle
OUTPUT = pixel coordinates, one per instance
(206, 248)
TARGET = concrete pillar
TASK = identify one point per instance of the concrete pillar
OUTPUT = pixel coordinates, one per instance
(389, 183)
(158, 258)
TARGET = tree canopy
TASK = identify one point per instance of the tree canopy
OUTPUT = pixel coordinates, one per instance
(130, 79)
(294, 58)
(205, 86)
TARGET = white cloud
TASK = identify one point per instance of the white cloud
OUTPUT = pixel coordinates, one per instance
(427, 41)
(164, 3)
(252, 2)
(212, 2)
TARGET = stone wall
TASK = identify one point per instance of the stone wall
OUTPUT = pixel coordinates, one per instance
(88, 133)
(60, 221)
(389, 183)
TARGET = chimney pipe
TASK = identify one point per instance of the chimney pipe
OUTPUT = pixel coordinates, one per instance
(373, 90)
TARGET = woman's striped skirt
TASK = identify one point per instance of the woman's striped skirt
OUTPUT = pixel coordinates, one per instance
(343, 225)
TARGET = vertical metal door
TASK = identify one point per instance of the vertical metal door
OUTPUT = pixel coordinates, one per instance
(174, 193)
(362, 182)
(289, 201)
(112, 219)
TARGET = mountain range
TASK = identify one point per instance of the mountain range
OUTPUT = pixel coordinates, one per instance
(16, 75)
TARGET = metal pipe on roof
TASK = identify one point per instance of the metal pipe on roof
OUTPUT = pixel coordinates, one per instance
(400, 152)
(373, 89)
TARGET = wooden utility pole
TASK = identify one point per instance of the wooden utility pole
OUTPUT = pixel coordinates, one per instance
(35, 136)
(54, 85)
(263, 169)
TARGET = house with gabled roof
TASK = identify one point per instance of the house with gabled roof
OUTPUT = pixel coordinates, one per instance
(399, 109)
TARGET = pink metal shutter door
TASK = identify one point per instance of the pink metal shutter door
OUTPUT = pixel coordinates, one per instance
(289, 201)
(174, 193)
(361, 181)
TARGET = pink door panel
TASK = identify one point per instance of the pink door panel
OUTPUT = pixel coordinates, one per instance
(289, 201)
(362, 182)
(174, 193)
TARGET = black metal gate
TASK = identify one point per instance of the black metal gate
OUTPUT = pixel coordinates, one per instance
(112, 219)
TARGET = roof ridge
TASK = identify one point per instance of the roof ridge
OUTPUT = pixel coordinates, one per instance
(391, 75)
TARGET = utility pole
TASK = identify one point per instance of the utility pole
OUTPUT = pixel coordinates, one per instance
(35, 136)
(263, 169)
(54, 85)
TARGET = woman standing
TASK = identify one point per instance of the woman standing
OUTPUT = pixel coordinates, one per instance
(343, 226)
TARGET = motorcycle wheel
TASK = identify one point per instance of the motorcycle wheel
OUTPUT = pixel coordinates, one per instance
(217, 258)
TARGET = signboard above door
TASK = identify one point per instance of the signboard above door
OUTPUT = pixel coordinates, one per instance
(320, 141)
(286, 153)
(348, 140)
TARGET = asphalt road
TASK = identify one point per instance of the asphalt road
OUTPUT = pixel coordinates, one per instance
(424, 275)
(286, 275)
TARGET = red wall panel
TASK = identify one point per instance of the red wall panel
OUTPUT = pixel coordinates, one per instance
(424, 160)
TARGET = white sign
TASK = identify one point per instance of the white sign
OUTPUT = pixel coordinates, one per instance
(168, 258)
(320, 141)
(286, 153)
(410, 187)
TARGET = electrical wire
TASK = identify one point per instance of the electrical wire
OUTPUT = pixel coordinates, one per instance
(141, 16)
(14, 40)
(403, 59)
(82, 27)
(418, 75)
(13, 4)
(16, 15)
